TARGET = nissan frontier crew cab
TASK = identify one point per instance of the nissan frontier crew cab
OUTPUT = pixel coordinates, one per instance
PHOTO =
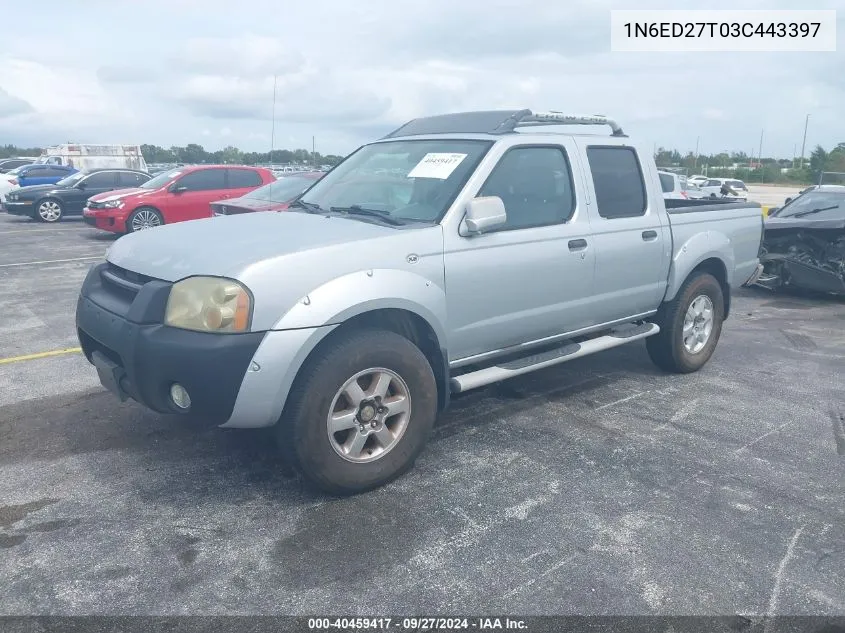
(458, 251)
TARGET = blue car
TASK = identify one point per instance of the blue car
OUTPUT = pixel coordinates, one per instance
(43, 174)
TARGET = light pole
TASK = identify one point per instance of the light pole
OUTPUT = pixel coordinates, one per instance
(273, 125)
(804, 142)
(695, 162)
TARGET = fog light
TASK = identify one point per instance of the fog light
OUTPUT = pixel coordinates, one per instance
(180, 396)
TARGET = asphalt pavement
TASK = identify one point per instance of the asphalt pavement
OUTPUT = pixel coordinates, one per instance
(602, 486)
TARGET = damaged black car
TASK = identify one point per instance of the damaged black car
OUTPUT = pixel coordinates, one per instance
(804, 243)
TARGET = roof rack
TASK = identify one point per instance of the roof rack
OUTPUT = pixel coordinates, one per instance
(497, 122)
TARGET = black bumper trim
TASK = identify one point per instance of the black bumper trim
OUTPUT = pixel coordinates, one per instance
(142, 359)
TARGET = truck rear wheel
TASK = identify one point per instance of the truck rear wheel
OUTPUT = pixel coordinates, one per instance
(360, 412)
(690, 326)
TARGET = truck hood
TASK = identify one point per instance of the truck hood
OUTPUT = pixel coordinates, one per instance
(227, 245)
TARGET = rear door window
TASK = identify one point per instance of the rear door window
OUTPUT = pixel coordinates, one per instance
(103, 179)
(618, 182)
(128, 179)
(242, 178)
(204, 180)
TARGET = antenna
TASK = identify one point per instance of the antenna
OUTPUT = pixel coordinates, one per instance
(273, 125)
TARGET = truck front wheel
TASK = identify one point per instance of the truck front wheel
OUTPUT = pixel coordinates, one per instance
(690, 326)
(360, 412)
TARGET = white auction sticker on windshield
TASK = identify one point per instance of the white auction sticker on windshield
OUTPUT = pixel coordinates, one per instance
(436, 165)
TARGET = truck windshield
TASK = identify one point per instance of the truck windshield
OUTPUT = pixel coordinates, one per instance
(412, 180)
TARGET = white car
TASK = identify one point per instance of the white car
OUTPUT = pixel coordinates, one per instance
(713, 188)
(696, 180)
(9, 182)
(675, 187)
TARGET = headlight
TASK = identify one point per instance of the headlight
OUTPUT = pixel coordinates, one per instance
(113, 204)
(208, 304)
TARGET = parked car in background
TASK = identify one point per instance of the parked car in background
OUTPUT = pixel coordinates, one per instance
(177, 195)
(8, 182)
(713, 188)
(672, 186)
(50, 203)
(359, 322)
(811, 188)
(273, 197)
(696, 180)
(29, 175)
(8, 164)
(86, 157)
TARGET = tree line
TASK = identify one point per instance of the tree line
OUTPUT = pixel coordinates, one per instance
(772, 170)
(754, 169)
(193, 153)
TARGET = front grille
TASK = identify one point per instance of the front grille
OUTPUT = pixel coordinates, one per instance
(122, 282)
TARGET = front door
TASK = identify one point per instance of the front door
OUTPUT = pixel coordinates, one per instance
(98, 182)
(532, 277)
(203, 186)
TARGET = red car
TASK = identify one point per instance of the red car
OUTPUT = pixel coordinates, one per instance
(184, 193)
(273, 197)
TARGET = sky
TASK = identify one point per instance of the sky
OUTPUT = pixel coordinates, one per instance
(174, 72)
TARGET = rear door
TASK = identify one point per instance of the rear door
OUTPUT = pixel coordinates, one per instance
(240, 182)
(203, 186)
(632, 247)
(130, 179)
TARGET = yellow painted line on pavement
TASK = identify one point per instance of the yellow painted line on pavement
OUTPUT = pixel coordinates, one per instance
(55, 352)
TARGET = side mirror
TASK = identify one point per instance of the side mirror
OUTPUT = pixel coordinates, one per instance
(483, 214)
(176, 188)
(787, 201)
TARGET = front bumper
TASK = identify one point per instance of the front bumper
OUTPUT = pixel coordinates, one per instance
(138, 357)
(26, 208)
(112, 220)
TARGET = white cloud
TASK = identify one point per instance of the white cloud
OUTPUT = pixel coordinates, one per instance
(346, 74)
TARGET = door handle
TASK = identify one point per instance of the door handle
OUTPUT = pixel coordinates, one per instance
(577, 245)
(649, 236)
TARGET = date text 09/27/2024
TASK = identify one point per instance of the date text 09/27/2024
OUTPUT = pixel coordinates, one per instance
(416, 624)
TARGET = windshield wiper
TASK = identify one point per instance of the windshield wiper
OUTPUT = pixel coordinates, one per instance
(801, 214)
(357, 209)
(308, 206)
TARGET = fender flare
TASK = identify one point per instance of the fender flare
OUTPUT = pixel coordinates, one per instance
(288, 345)
(699, 248)
(353, 294)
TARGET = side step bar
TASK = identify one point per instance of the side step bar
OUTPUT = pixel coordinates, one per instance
(570, 351)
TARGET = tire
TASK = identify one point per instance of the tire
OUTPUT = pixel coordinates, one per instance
(49, 210)
(143, 218)
(712, 196)
(303, 432)
(668, 349)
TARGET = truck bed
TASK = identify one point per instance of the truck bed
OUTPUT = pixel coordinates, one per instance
(732, 231)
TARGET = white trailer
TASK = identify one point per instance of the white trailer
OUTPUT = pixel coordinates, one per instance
(85, 157)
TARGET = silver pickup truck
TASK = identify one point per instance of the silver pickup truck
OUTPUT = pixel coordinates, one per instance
(458, 251)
